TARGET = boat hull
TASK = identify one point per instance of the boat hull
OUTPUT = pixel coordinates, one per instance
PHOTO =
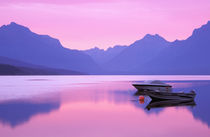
(171, 96)
(144, 87)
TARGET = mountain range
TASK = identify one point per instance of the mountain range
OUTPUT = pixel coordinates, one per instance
(31, 53)
(20, 43)
(154, 55)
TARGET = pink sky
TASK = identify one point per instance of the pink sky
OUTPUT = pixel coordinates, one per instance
(83, 24)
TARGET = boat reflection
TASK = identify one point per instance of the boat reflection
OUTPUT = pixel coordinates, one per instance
(155, 103)
(169, 103)
(91, 99)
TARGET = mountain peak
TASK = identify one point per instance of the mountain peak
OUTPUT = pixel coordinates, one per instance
(95, 49)
(15, 27)
(150, 37)
(204, 30)
(13, 23)
(150, 40)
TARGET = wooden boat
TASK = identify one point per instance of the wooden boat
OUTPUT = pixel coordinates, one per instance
(171, 95)
(169, 103)
(154, 85)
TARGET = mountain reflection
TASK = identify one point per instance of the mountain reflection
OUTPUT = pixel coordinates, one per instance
(17, 112)
(202, 110)
(14, 113)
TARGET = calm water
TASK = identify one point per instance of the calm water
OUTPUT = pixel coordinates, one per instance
(98, 106)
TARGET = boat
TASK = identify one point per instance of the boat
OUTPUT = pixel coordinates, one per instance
(154, 85)
(154, 95)
(169, 103)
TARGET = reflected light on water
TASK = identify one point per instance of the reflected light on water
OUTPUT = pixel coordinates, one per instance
(107, 119)
(59, 106)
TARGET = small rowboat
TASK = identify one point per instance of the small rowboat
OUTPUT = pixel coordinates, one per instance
(169, 103)
(155, 85)
(171, 95)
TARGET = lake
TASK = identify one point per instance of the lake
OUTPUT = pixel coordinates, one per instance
(99, 106)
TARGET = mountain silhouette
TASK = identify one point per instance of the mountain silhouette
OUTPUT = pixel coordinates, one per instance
(14, 67)
(188, 56)
(102, 56)
(6, 69)
(150, 55)
(154, 55)
(19, 43)
(127, 58)
(138, 53)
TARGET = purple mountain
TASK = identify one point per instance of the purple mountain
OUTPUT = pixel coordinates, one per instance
(188, 56)
(149, 55)
(19, 43)
(138, 53)
(102, 56)
(15, 67)
(125, 59)
(154, 55)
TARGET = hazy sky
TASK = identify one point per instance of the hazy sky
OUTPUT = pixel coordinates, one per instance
(82, 24)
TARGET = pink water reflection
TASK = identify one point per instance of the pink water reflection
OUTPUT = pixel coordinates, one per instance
(95, 109)
(108, 119)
